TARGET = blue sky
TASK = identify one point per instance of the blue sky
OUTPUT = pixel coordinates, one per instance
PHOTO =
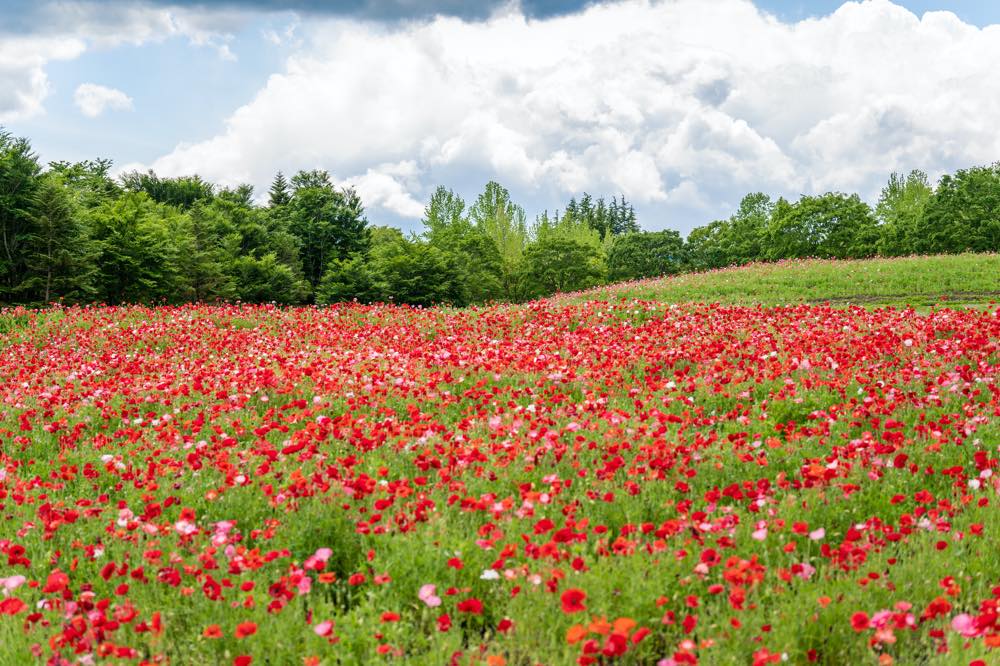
(682, 105)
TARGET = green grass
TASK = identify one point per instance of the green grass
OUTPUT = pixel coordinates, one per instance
(964, 279)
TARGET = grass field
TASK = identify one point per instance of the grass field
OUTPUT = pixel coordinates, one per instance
(966, 279)
(572, 481)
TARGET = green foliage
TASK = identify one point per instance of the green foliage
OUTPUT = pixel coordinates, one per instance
(182, 192)
(963, 214)
(280, 193)
(704, 249)
(136, 256)
(416, 273)
(19, 171)
(348, 279)
(474, 255)
(830, 226)
(265, 279)
(645, 254)
(400, 270)
(89, 181)
(204, 258)
(59, 254)
(328, 222)
(744, 236)
(607, 220)
(555, 263)
(72, 233)
(503, 222)
(899, 210)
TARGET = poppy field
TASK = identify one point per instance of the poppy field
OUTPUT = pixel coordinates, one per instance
(590, 482)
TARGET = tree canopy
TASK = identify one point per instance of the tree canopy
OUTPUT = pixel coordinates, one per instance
(70, 232)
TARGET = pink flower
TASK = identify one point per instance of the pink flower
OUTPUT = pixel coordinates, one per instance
(11, 583)
(816, 535)
(965, 624)
(318, 560)
(427, 594)
(324, 628)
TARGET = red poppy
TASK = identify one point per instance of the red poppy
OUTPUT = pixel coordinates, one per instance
(471, 605)
(244, 629)
(860, 621)
(572, 601)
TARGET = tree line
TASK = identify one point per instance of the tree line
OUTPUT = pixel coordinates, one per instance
(70, 232)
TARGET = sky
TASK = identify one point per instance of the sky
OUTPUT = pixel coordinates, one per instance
(682, 106)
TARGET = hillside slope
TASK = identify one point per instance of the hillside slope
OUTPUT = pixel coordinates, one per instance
(965, 279)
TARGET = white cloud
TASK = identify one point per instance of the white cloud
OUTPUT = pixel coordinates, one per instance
(385, 187)
(93, 99)
(23, 83)
(683, 105)
(66, 30)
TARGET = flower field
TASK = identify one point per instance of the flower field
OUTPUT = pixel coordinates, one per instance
(629, 482)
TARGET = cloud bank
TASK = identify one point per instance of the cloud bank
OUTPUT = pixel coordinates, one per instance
(681, 105)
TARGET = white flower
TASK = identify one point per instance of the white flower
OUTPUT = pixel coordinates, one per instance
(489, 574)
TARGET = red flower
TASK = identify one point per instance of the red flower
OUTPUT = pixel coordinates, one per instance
(471, 605)
(572, 600)
(12, 606)
(444, 622)
(56, 582)
(390, 617)
(244, 629)
(860, 621)
(212, 631)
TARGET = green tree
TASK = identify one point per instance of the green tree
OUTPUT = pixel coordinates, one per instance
(58, 251)
(329, 223)
(474, 255)
(556, 263)
(204, 258)
(19, 182)
(622, 217)
(90, 181)
(136, 259)
(280, 193)
(645, 254)
(397, 269)
(963, 214)
(743, 237)
(416, 273)
(503, 222)
(899, 210)
(265, 279)
(831, 226)
(182, 192)
(347, 280)
(703, 247)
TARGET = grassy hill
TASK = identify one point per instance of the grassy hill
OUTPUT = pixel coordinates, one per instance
(965, 279)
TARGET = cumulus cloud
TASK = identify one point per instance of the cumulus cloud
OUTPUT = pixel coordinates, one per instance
(682, 105)
(23, 83)
(387, 186)
(31, 38)
(93, 99)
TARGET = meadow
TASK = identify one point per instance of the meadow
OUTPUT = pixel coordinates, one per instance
(777, 464)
